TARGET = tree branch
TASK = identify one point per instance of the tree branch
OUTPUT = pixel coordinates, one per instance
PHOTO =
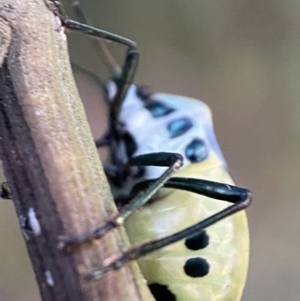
(50, 161)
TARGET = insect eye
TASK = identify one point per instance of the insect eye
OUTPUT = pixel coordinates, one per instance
(158, 109)
(196, 151)
(179, 126)
(143, 92)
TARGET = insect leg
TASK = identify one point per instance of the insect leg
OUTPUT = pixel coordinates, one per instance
(124, 78)
(5, 192)
(103, 141)
(240, 197)
(171, 160)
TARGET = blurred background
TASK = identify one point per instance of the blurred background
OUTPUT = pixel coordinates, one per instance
(243, 59)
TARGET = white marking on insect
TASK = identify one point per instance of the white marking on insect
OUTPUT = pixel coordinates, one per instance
(49, 278)
(111, 90)
(34, 223)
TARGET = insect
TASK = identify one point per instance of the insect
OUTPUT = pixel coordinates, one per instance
(212, 264)
(183, 252)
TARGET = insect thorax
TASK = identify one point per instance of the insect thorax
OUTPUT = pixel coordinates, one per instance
(166, 123)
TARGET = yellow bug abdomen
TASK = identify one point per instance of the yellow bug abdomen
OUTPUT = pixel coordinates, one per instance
(214, 271)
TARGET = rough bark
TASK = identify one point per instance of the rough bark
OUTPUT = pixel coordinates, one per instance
(50, 161)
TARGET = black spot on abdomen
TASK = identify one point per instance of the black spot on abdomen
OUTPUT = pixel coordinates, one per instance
(179, 126)
(196, 267)
(196, 151)
(158, 109)
(161, 292)
(198, 241)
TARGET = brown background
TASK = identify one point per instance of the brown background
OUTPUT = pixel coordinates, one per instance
(243, 59)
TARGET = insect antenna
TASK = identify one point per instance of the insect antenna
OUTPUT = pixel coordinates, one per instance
(104, 52)
(123, 77)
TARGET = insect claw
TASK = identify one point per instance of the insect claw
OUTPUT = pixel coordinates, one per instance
(68, 244)
(95, 275)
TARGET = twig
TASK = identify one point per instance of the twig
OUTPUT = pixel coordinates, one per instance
(50, 161)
